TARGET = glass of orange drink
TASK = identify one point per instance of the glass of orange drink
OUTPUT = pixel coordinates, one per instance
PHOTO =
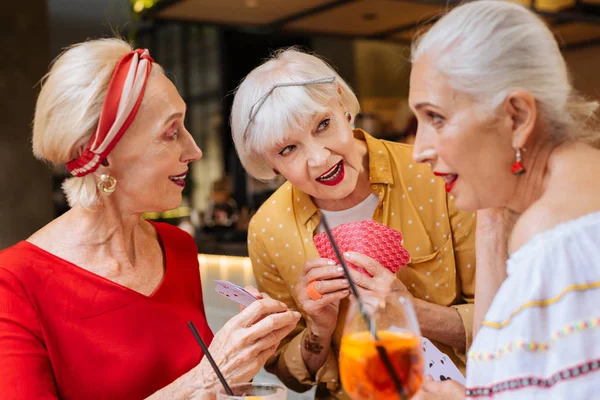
(363, 373)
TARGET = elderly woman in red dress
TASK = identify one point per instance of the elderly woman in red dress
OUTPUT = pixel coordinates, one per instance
(96, 303)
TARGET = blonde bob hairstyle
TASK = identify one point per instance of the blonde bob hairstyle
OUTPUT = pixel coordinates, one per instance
(69, 106)
(490, 48)
(287, 109)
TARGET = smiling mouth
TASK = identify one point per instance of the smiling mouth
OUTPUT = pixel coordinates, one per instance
(178, 179)
(331, 174)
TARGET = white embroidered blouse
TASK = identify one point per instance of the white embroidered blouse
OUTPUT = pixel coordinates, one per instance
(541, 335)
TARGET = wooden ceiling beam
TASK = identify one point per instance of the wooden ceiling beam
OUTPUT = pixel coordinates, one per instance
(581, 12)
(306, 13)
(403, 28)
(581, 45)
(158, 7)
(565, 16)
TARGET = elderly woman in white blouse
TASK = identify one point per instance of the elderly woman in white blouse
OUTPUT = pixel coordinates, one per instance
(500, 122)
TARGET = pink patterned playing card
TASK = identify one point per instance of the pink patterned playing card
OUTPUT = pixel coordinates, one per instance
(370, 238)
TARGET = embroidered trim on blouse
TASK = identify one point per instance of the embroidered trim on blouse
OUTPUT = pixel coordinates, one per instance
(542, 303)
(536, 346)
(522, 383)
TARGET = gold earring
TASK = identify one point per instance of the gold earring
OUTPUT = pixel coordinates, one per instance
(107, 184)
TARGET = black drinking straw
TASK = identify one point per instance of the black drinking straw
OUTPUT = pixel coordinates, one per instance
(210, 359)
(385, 358)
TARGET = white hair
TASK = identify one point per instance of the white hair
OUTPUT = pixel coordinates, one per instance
(489, 48)
(69, 106)
(287, 109)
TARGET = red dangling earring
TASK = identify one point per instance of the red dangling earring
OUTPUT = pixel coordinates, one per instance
(518, 168)
(348, 116)
(276, 172)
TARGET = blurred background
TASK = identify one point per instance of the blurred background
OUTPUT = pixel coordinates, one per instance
(206, 48)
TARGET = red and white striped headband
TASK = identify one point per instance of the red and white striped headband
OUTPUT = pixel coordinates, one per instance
(122, 102)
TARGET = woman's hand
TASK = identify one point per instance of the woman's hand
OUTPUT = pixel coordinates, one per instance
(447, 390)
(240, 349)
(437, 322)
(246, 341)
(331, 283)
(382, 282)
(327, 285)
(254, 292)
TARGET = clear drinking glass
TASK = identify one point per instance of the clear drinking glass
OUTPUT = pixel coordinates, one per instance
(254, 391)
(362, 370)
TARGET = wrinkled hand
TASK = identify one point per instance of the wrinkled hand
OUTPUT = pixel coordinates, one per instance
(254, 291)
(382, 283)
(447, 390)
(247, 340)
(332, 284)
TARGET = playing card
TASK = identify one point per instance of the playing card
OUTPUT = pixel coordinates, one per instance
(438, 364)
(370, 238)
(234, 292)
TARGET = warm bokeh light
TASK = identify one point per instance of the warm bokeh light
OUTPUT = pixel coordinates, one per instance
(179, 212)
(138, 6)
(547, 5)
(142, 5)
(228, 267)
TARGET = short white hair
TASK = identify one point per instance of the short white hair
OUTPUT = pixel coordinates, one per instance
(287, 109)
(490, 48)
(69, 105)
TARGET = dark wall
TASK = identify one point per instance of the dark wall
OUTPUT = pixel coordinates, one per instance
(25, 186)
(241, 53)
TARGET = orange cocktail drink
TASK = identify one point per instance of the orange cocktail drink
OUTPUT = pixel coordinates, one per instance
(363, 374)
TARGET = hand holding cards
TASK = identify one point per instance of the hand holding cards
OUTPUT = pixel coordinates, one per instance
(370, 238)
(234, 292)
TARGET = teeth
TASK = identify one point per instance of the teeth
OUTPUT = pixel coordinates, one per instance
(332, 175)
(178, 178)
(449, 178)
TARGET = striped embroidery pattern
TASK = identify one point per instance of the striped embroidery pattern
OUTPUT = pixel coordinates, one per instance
(522, 383)
(542, 303)
(536, 346)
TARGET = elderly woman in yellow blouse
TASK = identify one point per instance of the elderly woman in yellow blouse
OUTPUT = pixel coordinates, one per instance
(293, 116)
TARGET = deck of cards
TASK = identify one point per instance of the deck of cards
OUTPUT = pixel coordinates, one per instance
(234, 292)
(370, 238)
(438, 364)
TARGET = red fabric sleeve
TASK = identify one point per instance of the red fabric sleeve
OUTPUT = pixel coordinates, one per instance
(25, 371)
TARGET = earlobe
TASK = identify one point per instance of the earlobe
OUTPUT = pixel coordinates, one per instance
(522, 109)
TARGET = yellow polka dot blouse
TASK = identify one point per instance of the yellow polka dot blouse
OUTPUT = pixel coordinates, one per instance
(439, 237)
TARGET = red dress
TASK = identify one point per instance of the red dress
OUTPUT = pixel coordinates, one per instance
(68, 333)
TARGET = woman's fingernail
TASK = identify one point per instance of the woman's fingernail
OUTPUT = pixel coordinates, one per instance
(346, 254)
(340, 269)
(345, 281)
(330, 262)
(296, 314)
(428, 377)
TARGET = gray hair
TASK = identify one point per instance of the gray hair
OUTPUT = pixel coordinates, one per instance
(490, 48)
(305, 85)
